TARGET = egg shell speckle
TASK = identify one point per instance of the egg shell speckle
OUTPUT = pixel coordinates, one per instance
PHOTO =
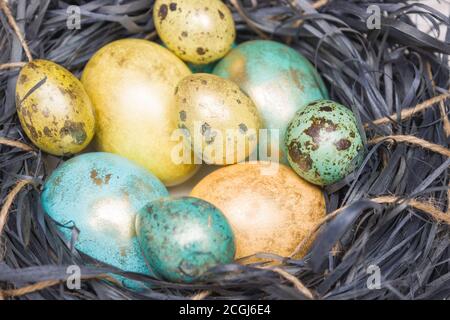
(216, 111)
(54, 108)
(278, 79)
(323, 142)
(270, 208)
(197, 31)
(100, 193)
(183, 238)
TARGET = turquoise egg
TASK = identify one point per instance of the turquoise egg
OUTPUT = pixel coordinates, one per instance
(184, 237)
(278, 79)
(323, 142)
(101, 193)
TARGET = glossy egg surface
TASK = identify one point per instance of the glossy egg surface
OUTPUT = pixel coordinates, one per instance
(269, 207)
(323, 142)
(197, 31)
(278, 79)
(182, 238)
(54, 108)
(222, 123)
(131, 83)
(100, 193)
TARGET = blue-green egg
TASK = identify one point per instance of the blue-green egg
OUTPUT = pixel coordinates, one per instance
(278, 79)
(101, 193)
(182, 238)
(323, 142)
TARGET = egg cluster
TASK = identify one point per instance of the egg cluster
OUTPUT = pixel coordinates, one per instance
(153, 123)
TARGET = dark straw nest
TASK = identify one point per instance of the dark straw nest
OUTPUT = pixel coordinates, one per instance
(392, 214)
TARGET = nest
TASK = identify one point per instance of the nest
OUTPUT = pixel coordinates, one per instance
(391, 214)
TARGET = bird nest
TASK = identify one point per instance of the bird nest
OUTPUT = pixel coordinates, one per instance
(388, 219)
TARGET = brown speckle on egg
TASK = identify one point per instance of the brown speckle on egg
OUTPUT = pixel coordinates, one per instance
(162, 13)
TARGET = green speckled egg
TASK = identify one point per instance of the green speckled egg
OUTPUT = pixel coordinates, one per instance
(323, 142)
(278, 79)
(101, 193)
(183, 238)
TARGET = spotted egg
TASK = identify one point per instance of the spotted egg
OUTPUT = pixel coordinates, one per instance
(197, 31)
(269, 207)
(278, 79)
(100, 194)
(219, 121)
(54, 108)
(182, 238)
(323, 142)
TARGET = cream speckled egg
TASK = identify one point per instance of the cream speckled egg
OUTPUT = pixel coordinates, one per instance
(269, 207)
(197, 31)
(219, 120)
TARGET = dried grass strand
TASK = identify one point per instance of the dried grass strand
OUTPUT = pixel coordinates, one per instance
(45, 284)
(4, 212)
(16, 144)
(12, 65)
(445, 122)
(414, 141)
(248, 21)
(295, 281)
(201, 295)
(15, 27)
(408, 113)
(428, 208)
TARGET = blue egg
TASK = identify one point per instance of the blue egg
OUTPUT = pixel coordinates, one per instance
(183, 238)
(100, 193)
(278, 79)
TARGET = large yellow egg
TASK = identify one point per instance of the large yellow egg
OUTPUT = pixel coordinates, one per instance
(131, 83)
(197, 31)
(53, 108)
(221, 122)
(269, 207)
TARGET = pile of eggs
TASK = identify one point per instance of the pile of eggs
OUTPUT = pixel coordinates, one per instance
(135, 94)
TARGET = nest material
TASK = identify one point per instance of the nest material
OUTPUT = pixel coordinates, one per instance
(392, 213)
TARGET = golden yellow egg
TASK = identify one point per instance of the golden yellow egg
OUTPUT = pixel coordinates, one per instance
(131, 83)
(53, 108)
(221, 122)
(269, 207)
(197, 31)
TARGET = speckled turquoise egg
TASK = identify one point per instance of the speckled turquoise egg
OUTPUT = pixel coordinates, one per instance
(323, 142)
(100, 193)
(182, 238)
(277, 78)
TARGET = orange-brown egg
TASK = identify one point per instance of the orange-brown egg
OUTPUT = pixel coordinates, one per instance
(269, 207)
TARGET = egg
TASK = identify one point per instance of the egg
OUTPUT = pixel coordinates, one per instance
(53, 108)
(197, 31)
(323, 142)
(278, 79)
(131, 83)
(182, 238)
(219, 120)
(269, 207)
(101, 193)
(205, 68)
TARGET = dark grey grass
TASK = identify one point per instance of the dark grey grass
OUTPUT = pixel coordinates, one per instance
(375, 72)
